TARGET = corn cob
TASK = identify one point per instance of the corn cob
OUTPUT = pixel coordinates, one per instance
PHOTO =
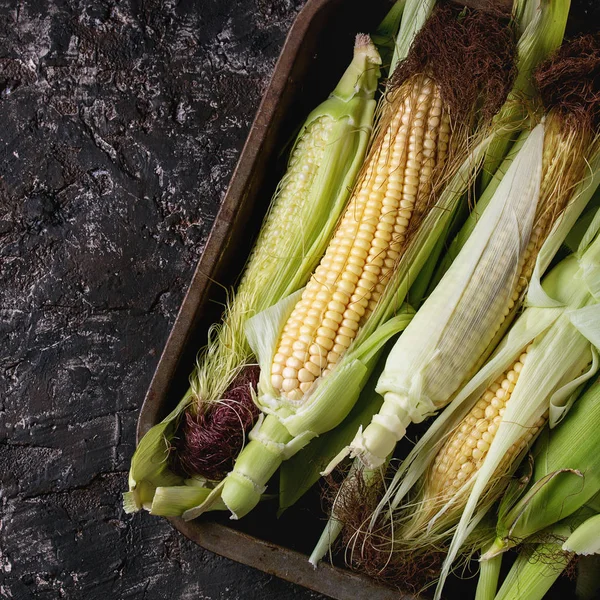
(458, 467)
(322, 335)
(466, 449)
(558, 351)
(322, 168)
(562, 492)
(359, 261)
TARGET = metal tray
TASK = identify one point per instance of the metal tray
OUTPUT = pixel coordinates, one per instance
(315, 54)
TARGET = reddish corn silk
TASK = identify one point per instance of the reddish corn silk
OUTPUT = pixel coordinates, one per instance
(208, 442)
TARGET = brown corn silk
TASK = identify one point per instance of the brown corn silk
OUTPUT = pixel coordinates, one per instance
(456, 73)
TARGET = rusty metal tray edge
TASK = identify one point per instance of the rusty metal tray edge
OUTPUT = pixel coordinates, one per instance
(268, 557)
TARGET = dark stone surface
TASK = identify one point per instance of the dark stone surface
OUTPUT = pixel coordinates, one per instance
(121, 124)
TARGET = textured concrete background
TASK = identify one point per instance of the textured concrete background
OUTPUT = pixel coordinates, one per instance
(120, 124)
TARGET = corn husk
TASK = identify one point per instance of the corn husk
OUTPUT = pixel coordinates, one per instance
(585, 540)
(280, 263)
(537, 567)
(416, 13)
(566, 476)
(489, 574)
(386, 34)
(303, 470)
(561, 340)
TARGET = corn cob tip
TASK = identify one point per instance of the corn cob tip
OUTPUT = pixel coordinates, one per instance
(364, 45)
(208, 441)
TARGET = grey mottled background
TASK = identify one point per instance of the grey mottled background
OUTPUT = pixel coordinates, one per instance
(120, 126)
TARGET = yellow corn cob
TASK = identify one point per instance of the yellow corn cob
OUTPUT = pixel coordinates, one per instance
(466, 449)
(563, 167)
(368, 242)
(303, 167)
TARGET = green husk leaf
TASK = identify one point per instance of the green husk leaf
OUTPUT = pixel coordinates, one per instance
(421, 288)
(506, 516)
(489, 574)
(576, 233)
(566, 473)
(303, 470)
(562, 400)
(173, 501)
(416, 12)
(534, 573)
(262, 331)
(537, 568)
(478, 210)
(385, 34)
(536, 296)
(149, 465)
(585, 540)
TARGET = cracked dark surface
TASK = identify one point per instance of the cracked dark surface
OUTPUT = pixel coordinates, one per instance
(121, 125)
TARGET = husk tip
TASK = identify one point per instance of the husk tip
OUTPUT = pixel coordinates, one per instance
(130, 502)
(363, 45)
(498, 547)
